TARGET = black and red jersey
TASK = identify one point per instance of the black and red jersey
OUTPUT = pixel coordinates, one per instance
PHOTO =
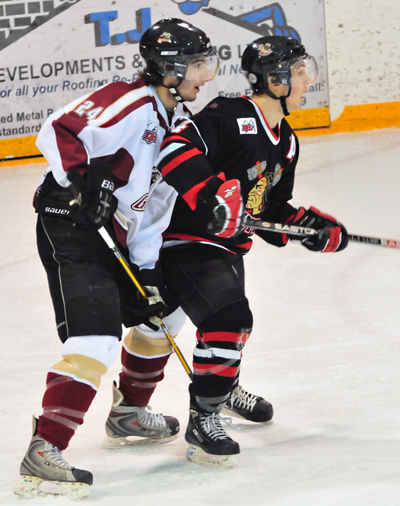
(228, 139)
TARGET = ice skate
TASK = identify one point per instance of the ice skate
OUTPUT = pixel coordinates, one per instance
(209, 444)
(242, 404)
(44, 472)
(132, 425)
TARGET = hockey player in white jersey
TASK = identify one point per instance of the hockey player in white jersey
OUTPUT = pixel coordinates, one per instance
(102, 149)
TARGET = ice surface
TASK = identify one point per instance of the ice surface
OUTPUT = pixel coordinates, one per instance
(325, 351)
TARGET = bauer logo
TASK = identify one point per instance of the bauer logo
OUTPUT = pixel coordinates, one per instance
(55, 210)
(247, 125)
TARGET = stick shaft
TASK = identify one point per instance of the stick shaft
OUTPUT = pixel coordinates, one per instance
(279, 228)
(303, 232)
(111, 244)
(378, 241)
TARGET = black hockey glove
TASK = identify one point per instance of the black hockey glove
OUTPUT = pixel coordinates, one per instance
(94, 203)
(227, 209)
(153, 305)
(331, 237)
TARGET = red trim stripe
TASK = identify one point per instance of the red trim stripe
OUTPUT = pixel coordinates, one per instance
(173, 138)
(178, 160)
(186, 237)
(217, 369)
(232, 337)
(276, 137)
(190, 197)
(245, 246)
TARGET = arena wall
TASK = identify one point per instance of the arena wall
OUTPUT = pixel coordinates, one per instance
(52, 52)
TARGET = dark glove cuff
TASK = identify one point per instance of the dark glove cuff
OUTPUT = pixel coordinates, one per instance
(207, 193)
(150, 277)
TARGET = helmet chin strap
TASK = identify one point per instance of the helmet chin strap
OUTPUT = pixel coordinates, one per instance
(284, 106)
(174, 90)
(281, 99)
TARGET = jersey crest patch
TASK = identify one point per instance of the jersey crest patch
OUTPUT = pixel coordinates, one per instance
(247, 125)
(150, 134)
(258, 195)
(140, 204)
(258, 169)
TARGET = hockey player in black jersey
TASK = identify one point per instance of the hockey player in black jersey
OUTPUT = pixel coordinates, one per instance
(235, 159)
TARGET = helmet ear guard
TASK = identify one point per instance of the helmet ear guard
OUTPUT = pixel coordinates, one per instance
(275, 57)
(168, 47)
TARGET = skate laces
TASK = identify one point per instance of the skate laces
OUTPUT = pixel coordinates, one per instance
(211, 425)
(243, 399)
(150, 420)
(54, 456)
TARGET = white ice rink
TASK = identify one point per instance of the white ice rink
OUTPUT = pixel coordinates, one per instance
(325, 351)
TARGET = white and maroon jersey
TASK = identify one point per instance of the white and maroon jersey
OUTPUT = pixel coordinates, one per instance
(124, 125)
(229, 139)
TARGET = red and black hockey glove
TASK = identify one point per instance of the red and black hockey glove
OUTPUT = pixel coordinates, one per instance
(227, 209)
(332, 236)
(94, 204)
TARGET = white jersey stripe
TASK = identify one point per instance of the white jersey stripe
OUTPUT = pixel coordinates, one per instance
(217, 352)
(118, 106)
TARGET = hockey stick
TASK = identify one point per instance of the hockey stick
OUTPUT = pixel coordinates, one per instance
(155, 320)
(303, 231)
(279, 228)
(378, 241)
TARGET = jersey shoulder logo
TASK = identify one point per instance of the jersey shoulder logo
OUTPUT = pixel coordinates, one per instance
(140, 204)
(247, 125)
(150, 134)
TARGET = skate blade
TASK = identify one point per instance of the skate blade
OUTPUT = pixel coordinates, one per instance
(121, 443)
(30, 487)
(229, 412)
(198, 456)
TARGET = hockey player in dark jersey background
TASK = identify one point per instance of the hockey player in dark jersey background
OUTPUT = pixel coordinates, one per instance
(102, 150)
(235, 159)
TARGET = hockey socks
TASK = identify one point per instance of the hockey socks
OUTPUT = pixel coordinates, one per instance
(65, 404)
(72, 384)
(143, 361)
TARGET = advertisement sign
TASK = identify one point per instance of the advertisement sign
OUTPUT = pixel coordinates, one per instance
(54, 51)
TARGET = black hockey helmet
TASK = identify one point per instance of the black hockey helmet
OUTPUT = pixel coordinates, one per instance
(170, 44)
(274, 56)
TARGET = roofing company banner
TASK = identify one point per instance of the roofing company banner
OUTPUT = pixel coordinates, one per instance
(53, 51)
